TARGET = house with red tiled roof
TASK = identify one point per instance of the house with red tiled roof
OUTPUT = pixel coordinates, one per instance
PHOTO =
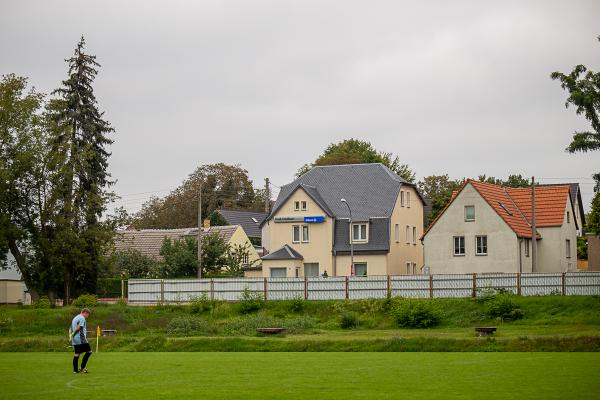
(487, 228)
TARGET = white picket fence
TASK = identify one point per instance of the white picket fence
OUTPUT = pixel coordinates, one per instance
(164, 291)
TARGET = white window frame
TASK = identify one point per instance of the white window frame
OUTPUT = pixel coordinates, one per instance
(311, 265)
(296, 228)
(356, 264)
(408, 199)
(360, 239)
(477, 239)
(296, 206)
(402, 198)
(568, 249)
(407, 234)
(305, 233)
(297, 272)
(526, 241)
(408, 267)
(397, 232)
(279, 269)
(474, 216)
(303, 205)
(454, 246)
(414, 268)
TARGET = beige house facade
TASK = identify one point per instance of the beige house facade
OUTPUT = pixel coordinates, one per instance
(12, 288)
(486, 228)
(309, 231)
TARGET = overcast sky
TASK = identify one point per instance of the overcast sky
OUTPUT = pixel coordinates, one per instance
(461, 88)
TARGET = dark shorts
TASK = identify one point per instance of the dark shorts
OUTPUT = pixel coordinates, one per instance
(82, 348)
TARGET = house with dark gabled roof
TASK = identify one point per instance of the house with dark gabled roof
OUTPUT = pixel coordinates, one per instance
(249, 221)
(309, 230)
(488, 228)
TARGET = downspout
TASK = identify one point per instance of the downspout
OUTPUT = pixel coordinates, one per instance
(520, 255)
(334, 251)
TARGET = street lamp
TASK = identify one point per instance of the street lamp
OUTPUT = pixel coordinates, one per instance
(351, 241)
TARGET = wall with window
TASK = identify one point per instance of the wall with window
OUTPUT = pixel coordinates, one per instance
(553, 255)
(375, 264)
(239, 237)
(406, 229)
(277, 268)
(500, 253)
(317, 248)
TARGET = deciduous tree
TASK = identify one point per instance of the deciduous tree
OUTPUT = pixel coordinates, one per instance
(354, 151)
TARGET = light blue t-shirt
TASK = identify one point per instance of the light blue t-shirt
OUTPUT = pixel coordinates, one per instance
(80, 336)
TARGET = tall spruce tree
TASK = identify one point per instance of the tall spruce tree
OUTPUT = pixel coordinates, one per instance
(82, 181)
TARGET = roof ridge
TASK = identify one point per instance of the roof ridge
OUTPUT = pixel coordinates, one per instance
(346, 165)
(517, 207)
(287, 248)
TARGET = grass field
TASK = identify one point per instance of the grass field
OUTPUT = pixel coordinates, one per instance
(303, 376)
(549, 323)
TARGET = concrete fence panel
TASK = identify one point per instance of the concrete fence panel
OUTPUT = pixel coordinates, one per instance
(156, 291)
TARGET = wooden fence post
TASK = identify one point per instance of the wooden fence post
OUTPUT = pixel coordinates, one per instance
(474, 294)
(564, 283)
(518, 283)
(162, 291)
(212, 289)
(265, 288)
(347, 288)
(305, 288)
(389, 287)
(430, 286)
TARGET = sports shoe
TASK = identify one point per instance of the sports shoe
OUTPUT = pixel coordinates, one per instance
(75, 372)
(83, 370)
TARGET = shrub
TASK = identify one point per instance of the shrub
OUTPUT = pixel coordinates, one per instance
(85, 300)
(43, 302)
(250, 302)
(348, 320)
(504, 308)
(201, 304)
(190, 326)
(297, 305)
(416, 313)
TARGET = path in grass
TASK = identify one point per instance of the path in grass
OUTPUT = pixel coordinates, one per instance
(303, 376)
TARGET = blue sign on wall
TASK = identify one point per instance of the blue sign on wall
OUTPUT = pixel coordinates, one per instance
(314, 220)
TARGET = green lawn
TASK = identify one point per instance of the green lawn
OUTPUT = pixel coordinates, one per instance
(303, 376)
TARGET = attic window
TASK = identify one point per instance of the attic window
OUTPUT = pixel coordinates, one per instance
(505, 209)
(255, 220)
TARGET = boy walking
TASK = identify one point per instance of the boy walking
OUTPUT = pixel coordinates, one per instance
(79, 341)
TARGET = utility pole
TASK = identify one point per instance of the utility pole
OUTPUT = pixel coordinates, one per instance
(200, 231)
(267, 196)
(352, 271)
(533, 229)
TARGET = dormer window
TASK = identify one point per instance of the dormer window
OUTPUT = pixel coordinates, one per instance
(359, 232)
